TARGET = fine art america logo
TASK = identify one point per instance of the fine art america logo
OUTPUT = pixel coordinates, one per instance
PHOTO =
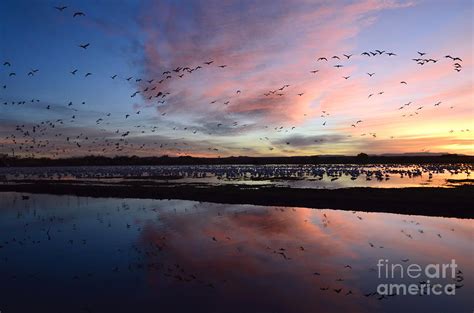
(430, 279)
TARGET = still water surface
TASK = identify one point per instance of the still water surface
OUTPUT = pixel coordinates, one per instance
(74, 254)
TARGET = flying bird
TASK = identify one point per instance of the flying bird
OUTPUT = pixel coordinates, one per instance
(78, 14)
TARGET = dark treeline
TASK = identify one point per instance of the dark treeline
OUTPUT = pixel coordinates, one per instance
(187, 160)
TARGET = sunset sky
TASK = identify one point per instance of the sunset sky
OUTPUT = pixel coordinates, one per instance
(237, 109)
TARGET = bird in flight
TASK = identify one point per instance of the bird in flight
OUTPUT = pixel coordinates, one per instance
(403, 82)
(113, 77)
(78, 14)
(74, 72)
(209, 62)
(371, 74)
(88, 74)
(61, 8)
(348, 56)
(322, 58)
(421, 53)
(84, 46)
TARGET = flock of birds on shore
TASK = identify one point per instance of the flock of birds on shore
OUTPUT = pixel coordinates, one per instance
(243, 173)
(52, 137)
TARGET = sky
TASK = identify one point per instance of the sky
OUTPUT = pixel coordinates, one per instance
(266, 92)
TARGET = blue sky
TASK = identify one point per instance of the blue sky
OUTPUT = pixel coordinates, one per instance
(264, 45)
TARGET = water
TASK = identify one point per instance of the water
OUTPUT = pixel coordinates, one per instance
(74, 254)
(330, 176)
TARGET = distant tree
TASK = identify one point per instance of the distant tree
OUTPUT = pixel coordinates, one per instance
(362, 156)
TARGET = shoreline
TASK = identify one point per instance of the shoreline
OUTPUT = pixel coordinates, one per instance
(428, 201)
(362, 159)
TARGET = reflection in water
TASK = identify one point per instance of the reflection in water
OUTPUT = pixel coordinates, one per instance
(72, 254)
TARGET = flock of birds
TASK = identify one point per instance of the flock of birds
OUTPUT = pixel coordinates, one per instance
(58, 137)
(244, 173)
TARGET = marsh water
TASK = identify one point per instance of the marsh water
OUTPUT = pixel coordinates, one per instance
(78, 254)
